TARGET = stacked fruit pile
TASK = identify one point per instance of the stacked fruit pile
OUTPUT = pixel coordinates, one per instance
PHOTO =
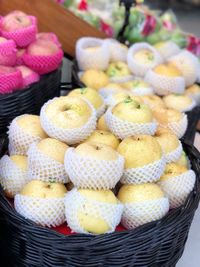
(25, 54)
(106, 155)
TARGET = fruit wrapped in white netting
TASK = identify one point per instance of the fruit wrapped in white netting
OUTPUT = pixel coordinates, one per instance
(121, 79)
(188, 64)
(68, 135)
(101, 110)
(77, 205)
(19, 140)
(87, 172)
(142, 91)
(123, 129)
(168, 49)
(164, 85)
(178, 127)
(41, 167)
(92, 53)
(136, 67)
(146, 174)
(174, 155)
(105, 92)
(43, 211)
(177, 188)
(136, 214)
(195, 97)
(12, 178)
(118, 52)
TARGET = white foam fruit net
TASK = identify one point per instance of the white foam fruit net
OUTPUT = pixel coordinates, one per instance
(12, 178)
(117, 51)
(46, 212)
(146, 174)
(178, 188)
(41, 167)
(101, 110)
(188, 64)
(105, 92)
(19, 140)
(142, 91)
(92, 59)
(164, 85)
(168, 50)
(141, 69)
(70, 136)
(75, 204)
(123, 129)
(136, 214)
(178, 127)
(174, 155)
(121, 79)
(87, 172)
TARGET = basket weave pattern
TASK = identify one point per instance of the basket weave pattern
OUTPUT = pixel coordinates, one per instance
(156, 244)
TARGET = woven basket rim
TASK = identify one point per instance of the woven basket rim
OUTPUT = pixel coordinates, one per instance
(175, 214)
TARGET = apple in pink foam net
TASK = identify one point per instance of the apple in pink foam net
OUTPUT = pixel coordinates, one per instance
(28, 76)
(6, 70)
(42, 48)
(48, 36)
(15, 20)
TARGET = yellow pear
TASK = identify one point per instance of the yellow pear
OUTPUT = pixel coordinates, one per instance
(153, 101)
(139, 150)
(168, 70)
(178, 102)
(103, 137)
(89, 218)
(31, 125)
(68, 112)
(97, 151)
(90, 94)
(101, 124)
(118, 69)
(95, 79)
(167, 141)
(20, 161)
(41, 189)
(139, 193)
(183, 161)
(172, 170)
(53, 149)
(132, 111)
(144, 56)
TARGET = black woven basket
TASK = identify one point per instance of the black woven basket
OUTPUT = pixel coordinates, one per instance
(30, 100)
(156, 244)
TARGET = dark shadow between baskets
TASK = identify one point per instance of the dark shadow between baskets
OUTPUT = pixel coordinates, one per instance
(156, 244)
(29, 100)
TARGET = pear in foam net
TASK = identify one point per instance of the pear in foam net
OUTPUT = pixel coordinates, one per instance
(94, 165)
(143, 203)
(182, 103)
(92, 96)
(165, 79)
(23, 131)
(144, 161)
(69, 119)
(95, 79)
(42, 203)
(129, 118)
(13, 174)
(46, 161)
(103, 137)
(177, 182)
(92, 211)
